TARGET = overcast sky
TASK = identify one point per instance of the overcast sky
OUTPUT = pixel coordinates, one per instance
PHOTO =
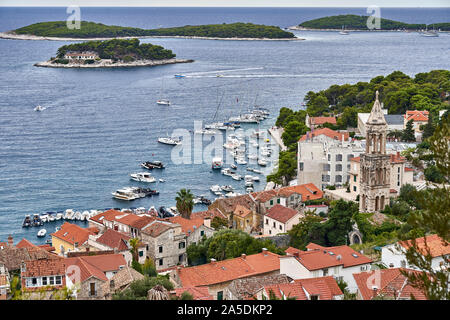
(230, 3)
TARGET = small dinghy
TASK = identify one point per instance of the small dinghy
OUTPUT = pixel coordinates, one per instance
(42, 233)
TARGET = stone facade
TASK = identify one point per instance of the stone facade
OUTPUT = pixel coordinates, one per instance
(375, 164)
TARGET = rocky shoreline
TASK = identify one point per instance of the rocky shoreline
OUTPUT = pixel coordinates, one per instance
(107, 64)
(14, 36)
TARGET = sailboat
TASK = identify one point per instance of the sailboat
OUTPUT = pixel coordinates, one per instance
(163, 101)
(343, 32)
(430, 33)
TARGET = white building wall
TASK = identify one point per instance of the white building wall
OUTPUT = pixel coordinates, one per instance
(393, 257)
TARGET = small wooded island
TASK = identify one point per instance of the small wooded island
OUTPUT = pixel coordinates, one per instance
(355, 22)
(111, 53)
(57, 30)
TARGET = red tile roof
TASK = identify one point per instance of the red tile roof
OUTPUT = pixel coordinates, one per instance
(198, 293)
(328, 132)
(157, 228)
(114, 240)
(435, 244)
(318, 257)
(408, 169)
(208, 214)
(73, 233)
(387, 282)
(42, 268)
(94, 266)
(395, 158)
(417, 115)
(324, 287)
(108, 215)
(228, 270)
(187, 225)
(241, 211)
(322, 120)
(281, 213)
(308, 191)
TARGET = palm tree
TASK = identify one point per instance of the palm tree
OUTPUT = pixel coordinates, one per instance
(158, 292)
(185, 202)
(134, 243)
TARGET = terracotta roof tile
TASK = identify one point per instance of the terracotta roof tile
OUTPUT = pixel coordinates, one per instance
(322, 120)
(156, 229)
(318, 257)
(96, 266)
(389, 282)
(328, 132)
(326, 287)
(187, 225)
(228, 270)
(417, 115)
(198, 293)
(433, 243)
(242, 211)
(73, 233)
(281, 213)
(248, 287)
(114, 240)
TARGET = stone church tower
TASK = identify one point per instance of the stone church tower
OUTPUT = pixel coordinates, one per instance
(375, 164)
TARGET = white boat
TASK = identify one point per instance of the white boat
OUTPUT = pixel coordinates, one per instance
(233, 166)
(236, 177)
(39, 108)
(249, 190)
(231, 194)
(255, 178)
(206, 131)
(216, 163)
(85, 215)
(430, 33)
(124, 194)
(218, 193)
(169, 141)
(77, 215)
(44, 218)
(262, 162)
(226, 172)
(42, 233)
(162, 180)
(142, 177)
(164, 102)
(51, 217)
(252, 157)
(219, 75)
(59, 216)
(257, 171)
(241, 161)
(343, 32)
(227, 188)
(215, 188)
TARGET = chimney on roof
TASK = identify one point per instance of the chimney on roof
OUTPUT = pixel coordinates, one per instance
(207, 222)
(339, 257)
(375, 290)
(264, 251)
(10, 240)
(111, 285)
(243, 256)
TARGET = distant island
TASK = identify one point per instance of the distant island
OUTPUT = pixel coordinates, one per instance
(111, 53)
(355, 22)
(57, 30)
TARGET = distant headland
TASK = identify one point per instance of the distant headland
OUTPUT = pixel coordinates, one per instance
(57, 30)
(111, 54)
(359, 23)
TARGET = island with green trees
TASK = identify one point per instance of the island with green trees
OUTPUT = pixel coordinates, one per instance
(355, 22)
(111, 53)
(58, 30)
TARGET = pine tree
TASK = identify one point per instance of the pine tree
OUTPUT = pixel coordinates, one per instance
(435, 219)
(408, 133)
(428, 129)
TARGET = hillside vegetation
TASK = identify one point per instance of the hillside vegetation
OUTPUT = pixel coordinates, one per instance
(351, 21)
(119, 49)
(97, 30)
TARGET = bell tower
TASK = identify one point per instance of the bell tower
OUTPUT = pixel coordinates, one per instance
(374, 174)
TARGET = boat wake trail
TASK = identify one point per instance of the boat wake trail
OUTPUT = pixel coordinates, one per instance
(221, 71)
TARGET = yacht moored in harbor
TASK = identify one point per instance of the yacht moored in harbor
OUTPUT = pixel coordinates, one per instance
(216, 163)
(152, 165)
(142, 177)
(169, 140)
(164, 102)
(42, 233)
